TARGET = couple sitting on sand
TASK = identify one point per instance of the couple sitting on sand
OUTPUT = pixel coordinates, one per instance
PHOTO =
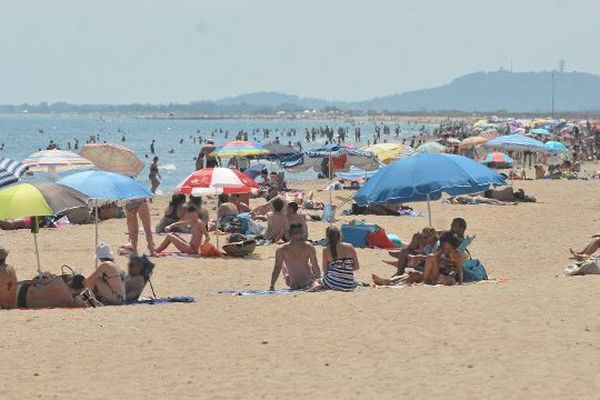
(435, 257)
(298, 261)
(106, 286)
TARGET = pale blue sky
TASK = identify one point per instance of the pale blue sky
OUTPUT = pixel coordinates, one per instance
(119, 51)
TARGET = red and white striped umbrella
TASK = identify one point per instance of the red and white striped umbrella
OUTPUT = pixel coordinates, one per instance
(217, 180)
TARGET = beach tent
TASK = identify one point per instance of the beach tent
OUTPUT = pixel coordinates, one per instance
(425, 177)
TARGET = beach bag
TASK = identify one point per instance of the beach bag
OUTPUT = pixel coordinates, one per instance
(588, 267)
(474, 271)
(395, 240)
(379, 240)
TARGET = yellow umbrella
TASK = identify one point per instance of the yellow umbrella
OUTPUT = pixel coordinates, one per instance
(389, 152)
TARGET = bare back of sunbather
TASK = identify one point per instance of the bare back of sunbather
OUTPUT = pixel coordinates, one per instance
(298, 259)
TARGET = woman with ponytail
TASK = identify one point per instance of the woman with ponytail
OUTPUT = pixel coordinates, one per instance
(339, 262)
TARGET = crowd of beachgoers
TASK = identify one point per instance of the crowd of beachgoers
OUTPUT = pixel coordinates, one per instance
(431, 257)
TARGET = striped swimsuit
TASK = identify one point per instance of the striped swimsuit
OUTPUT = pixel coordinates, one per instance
(340, 275)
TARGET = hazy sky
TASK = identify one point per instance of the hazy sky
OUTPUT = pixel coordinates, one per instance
(151, 51)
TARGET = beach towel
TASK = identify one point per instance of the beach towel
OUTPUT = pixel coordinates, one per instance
(588, 267)
(379, 240)
(260, 292)
(177, 254)
(162, 300)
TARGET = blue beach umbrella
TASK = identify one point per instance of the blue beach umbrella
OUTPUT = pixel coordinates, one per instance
(556, 147)
(425, 177)
(540, 131)
(105, 186)
(516, 143)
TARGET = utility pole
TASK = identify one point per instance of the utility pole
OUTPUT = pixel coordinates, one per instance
(553, 92)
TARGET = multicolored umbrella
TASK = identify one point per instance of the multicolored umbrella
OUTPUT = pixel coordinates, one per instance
(10, 171)
(497, 158)
(217, 180)
(113, 158)
(240, 148)
(38, 200)
(209, 181)
(472, 142)
(431, 147)
(55, 160)
(516, 143)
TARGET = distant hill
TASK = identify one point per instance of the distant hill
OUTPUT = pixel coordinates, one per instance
(273, 99)
(500, 90)
(527, 92)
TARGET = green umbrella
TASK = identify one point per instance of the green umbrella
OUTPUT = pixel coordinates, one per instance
(38, 200)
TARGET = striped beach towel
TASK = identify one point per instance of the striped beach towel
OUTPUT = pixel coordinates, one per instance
(10, 171)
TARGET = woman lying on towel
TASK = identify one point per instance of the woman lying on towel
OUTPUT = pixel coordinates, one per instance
(52, 291)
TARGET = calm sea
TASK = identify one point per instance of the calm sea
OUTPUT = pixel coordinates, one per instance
(23, 135)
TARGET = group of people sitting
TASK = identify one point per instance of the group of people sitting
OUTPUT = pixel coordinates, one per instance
(107, 285)
(297, 261)
(431, 257)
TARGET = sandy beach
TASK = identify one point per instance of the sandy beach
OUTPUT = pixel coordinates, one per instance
(529, 333)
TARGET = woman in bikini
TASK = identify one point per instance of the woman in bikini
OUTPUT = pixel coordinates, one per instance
(445, 267)
(107, 282)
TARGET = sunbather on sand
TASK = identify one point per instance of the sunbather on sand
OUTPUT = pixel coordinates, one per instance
(51, 291)
(198, 230)
(445, 267)
(298, 261)
(588, 250)
(339, 263)
(478, 199)
(8, 282)
(107, 282)
(422, 244)
(139, 272)
(277, 222)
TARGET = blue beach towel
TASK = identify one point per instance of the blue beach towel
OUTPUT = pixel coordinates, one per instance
(259, 292)
(162, 300)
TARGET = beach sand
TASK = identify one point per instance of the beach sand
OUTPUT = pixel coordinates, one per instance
(529, 334)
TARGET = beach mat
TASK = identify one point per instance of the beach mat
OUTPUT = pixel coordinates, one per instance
(260, 292)
(162, 300)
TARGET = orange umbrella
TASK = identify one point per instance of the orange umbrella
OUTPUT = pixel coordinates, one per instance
(472, 142)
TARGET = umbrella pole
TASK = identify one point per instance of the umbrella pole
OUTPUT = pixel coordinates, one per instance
(330, 192)
(429, 210)
(36, 225)
(95, 232)
(218, 222)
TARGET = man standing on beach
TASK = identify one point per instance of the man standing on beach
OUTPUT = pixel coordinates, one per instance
(298, 260)
(205, 151)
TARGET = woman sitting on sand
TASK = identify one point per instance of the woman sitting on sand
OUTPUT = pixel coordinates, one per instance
(413, 255)
(140, 270)
(339, 263)
(107, 281)
(445, 267)
(173, 213)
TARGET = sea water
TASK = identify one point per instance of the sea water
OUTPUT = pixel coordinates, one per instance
(25, 134)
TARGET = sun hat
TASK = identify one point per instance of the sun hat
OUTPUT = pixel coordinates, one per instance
(103, 252)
